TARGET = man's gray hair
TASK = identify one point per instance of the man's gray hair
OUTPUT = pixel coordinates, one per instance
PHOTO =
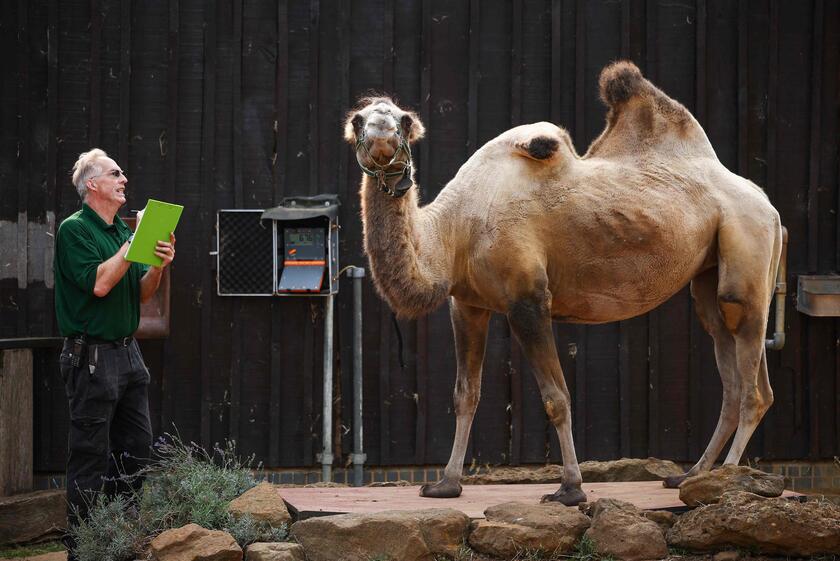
(87, 166)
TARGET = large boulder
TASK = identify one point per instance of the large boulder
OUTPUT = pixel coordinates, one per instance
(32, 517)
(707, 487)
(549, 529)
(279, 551)
(625, 469)
(263, 503)
(417, 535)
(621, 531)
(194, 543)
(769, 525)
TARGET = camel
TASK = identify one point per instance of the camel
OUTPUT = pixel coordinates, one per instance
(532, 230)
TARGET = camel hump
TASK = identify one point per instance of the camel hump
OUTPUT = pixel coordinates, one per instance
(537, 141)
(621, 81)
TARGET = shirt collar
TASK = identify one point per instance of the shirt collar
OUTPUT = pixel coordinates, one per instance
(96, 219)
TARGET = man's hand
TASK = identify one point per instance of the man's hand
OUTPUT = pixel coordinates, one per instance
(166, 251)
(139, 218)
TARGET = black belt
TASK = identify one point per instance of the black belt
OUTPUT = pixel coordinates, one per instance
(121, 342)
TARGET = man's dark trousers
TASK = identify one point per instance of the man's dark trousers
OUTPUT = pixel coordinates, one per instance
(110, 433)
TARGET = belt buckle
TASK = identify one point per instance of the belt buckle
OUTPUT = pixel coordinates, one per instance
(125, 341)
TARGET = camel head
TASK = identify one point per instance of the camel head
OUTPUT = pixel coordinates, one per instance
(382, 134)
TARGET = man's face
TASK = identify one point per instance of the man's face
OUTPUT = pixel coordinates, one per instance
(109, 185)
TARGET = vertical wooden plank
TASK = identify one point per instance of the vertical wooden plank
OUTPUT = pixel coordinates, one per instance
(579, 129)
(125, 82)
(815, 147)
(52, 114)
(625, 28)
(474, 69)
(314, 162)
(16, 429)
(95, 115)
(388, 46)
(309, 379)
(516, 65)
(278, 166)
(556, 61)
(817, 328)
(23, 168)
(743, 85)
(700, 63)
(207, 216)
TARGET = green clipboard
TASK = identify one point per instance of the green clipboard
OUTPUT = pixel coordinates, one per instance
(159, 219)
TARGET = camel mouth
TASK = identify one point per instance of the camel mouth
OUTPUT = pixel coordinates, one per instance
(387, 158)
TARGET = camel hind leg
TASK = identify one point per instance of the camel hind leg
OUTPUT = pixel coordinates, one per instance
(704, 294)
(470, 327)
(734, 310)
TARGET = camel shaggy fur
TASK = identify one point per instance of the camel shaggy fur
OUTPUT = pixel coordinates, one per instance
(530, 229)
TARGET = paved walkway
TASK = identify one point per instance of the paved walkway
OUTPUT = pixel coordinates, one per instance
(55, 556)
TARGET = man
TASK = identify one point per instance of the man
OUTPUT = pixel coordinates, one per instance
(97, 304)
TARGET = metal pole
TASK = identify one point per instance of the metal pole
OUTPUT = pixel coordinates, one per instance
(326, 454)
(357, 274)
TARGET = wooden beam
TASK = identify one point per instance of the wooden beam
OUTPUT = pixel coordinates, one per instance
(15, 421)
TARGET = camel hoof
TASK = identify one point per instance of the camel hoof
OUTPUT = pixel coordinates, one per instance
(443, 489)
(673, 481)
(569, 496)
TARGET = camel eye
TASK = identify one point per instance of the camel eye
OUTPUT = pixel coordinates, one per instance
(358, 122)
(406, 123)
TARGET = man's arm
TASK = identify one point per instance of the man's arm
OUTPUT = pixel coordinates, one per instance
(109, 272)
(151, 280)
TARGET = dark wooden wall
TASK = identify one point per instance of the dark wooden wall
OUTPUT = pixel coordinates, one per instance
(235, 104)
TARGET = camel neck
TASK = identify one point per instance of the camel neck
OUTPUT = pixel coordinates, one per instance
(405, 251)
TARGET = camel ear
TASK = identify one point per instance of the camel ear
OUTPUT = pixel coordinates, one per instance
(412, 127)
(352, 127)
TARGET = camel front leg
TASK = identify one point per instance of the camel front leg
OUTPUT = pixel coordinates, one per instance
(470, 327)
(530, 322)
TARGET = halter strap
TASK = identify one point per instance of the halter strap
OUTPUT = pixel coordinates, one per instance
(380, 172)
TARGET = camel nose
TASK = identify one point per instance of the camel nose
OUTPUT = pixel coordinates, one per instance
(380, 126)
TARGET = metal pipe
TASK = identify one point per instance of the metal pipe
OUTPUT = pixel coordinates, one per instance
(326, 454)
(778, 340)
(359, 457)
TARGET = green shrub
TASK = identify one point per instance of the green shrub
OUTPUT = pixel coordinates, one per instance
(184, 484)
(109, 533)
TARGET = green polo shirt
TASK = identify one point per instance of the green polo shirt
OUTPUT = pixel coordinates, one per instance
(83, 242)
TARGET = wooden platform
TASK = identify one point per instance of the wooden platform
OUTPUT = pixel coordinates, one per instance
(306, 502)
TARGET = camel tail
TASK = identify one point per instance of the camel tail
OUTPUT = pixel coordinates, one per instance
(620, 81)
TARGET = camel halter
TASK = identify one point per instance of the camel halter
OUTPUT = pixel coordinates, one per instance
(380, 172)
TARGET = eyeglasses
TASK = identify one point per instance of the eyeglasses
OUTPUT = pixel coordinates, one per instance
(113, 173)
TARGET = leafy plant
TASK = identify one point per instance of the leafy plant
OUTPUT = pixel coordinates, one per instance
(183, 484)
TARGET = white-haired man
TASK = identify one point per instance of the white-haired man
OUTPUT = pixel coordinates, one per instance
(97, 305)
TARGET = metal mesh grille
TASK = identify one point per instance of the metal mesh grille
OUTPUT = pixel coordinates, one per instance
(245, 253)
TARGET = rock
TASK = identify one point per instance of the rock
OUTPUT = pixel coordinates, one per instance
(404, 535)
(506, 475)
(548, 528)
(625, 469)
(194, 543)
(769, 525)
(32, 517)
(726, 556)
(280, 551)
(707, 488)
(621, 531)
(629, 469)
(264, 503)
(662, 518)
